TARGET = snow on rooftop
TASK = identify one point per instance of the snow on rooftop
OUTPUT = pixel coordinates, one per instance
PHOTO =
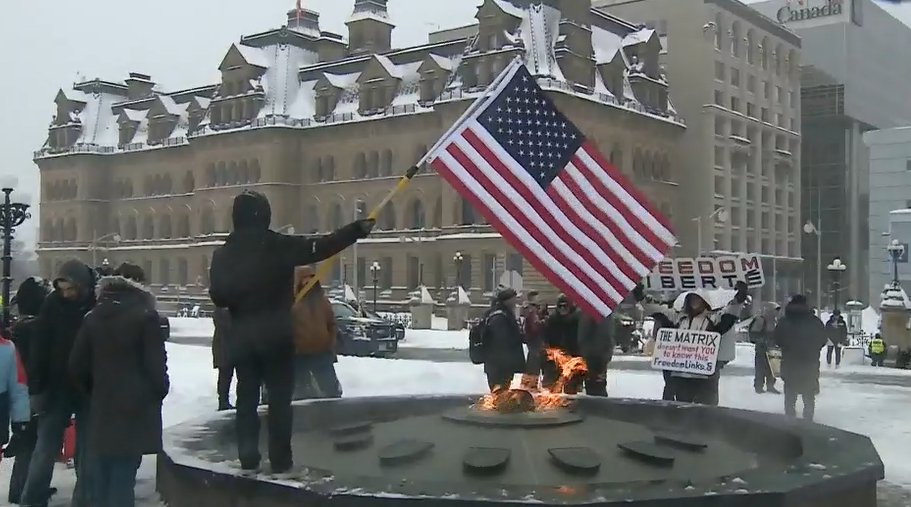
(203, 102)
(369, 14)
(539, 30)
(509, 8)
(342, 81)
(606, 44)
(74, 95)
(99, 124)
(253, 56)
(135, 115)
(444, 62)
(390, 67)
(171, 106)
(638, 37)
(280, 81)
(304, 105)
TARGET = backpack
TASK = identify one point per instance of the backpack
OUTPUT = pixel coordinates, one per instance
(477, 339)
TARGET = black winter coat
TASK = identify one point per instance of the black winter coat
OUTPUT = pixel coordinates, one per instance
(562, 332)
(801, 336)
(55, 332)
(221, 341)
(252, 276)
(837, 330)
(120, 361)
(503, 350)
(596, 339)
(23, 336)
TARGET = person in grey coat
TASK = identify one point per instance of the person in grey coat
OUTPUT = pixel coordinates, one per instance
(596, 343)
(503, 354)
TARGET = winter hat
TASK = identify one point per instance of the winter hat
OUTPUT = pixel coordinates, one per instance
(562, 300)
(77, 273)
(30, 297)
(506, 294)
(131, 272)
(251, 211)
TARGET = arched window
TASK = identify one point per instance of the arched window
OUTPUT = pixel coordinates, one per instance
(256, 170)
(207, 221)
(419, 154)
(164, 226)
(335, 218)
(221, 175)
(468, 215)
(637, 164)
(71, 232)
(210, 176)
(360, 166)
(616, 157)
(751, 55)
(436, 219)
(329, 168)
(764, 50)
(130, 188)
(164, 272)
(311, 220)
(167, 186)
(373, 166)
(183, 226)
(318, 172)
(47, 227)
(59, 230)
(779, 56)
(417, 219)
(183, 272)
(130, 228)
(719, 31)
(735, 39)
(387, 220)
(203, 271)
(233, 174)
(246, 177)
(793, 65)
(148, 227)
(386, 167)
(189, 183)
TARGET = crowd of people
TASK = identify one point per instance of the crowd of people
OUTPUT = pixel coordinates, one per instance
(88, 350)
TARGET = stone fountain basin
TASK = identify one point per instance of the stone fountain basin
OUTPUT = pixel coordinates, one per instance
(436, 450)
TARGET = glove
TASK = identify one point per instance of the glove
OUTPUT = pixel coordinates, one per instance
(364, 227)
(17, 442)
(639, 292)
(742, 290)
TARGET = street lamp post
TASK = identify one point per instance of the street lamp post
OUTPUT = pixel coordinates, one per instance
(457, 260)
(720, 215)
(837, 268)
(375, 271)
(896, 251)
(115, 237)
(12, 215)
(811, 228)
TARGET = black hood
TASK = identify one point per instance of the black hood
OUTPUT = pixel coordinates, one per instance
(79, 274)
(251, 211)
(30, 296)
(115, 292)
(798, 307)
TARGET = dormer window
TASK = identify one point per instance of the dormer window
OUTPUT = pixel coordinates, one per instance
(493, 42)
(428, 87)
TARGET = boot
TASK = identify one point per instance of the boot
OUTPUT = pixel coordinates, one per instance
(773, 390)
(224, 405)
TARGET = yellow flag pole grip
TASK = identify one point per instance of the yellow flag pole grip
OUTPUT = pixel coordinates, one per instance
(325, 267)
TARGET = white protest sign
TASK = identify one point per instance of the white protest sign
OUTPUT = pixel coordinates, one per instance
(677, 274)
(686, 351)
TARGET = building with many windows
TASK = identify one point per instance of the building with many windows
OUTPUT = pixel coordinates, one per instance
(323, 125)
(854, 79)
(736, 79)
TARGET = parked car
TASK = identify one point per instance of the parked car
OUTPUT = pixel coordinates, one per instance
(397, 324)
(363, 336)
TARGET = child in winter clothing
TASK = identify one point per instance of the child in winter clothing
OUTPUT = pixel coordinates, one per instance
(14, 407)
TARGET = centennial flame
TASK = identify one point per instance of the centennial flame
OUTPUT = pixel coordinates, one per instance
(527, 396)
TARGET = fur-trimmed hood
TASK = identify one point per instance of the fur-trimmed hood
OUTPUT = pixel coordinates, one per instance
(117, 291)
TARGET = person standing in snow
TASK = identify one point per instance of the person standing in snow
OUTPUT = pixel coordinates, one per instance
(762, 331)
(877, 350)
(221, 357)
(696, 315)
(533, 331)
(28, 300)
(596, 344)
(15, 413)
(119, 361)
(315, 335)
(561, 332)
(801, 337)
(252, 276)
(54, 396)
(503, 354)
(837, 333)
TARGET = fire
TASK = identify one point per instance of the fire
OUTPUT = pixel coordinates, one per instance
(526, 396)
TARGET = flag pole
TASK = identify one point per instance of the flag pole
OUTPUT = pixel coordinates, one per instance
(326, 266)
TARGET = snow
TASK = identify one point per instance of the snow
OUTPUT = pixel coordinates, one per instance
(606, 45)
(391, 68)
(539, 31)
(173, 107)
(510, 9)
(134, 115)
(253, 56)
(444, 62)
(638, 37)
(342, 81)
(186, 327)
(372, 15)
(880, 412)
(99, 125)
(280, 82)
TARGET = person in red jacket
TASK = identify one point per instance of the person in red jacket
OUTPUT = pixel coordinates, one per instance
(533, 331)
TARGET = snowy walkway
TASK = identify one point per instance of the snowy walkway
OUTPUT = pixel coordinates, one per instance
(881, 411)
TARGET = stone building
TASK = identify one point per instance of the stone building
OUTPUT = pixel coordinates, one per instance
(323, 125)
(736, 79)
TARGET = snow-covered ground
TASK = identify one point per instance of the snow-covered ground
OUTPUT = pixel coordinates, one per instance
(880, 411)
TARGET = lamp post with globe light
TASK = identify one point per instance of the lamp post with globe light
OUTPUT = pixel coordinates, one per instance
(12, 215)
(896, 252)
(375, 271)
(720, 215)
(93, 246)
(836, 269)
(457, 259)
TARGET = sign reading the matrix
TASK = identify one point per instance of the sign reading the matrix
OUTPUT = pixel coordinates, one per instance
(802, 10)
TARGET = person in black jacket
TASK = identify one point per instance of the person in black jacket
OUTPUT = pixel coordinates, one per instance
(561, 332)
(801, 336)
(55, 398)
(596, 344)
(221, 357)
(837, 334)
(503, 353)
(119, 361)
(252, 276)
(29, 298)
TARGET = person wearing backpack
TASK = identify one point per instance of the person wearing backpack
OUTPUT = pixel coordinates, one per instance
(502, 338)
(761, 332)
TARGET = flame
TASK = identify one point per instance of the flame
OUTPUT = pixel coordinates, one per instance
(567, 490)
(509, 399)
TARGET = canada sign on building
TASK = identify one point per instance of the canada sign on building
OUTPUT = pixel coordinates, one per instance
(802, 10)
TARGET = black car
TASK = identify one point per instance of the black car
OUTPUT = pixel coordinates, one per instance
(399, 326)
(363, 336)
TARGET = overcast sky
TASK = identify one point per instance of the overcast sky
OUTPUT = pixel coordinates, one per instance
(48, 44)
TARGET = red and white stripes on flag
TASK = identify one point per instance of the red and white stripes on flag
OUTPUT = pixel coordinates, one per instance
(587, 230)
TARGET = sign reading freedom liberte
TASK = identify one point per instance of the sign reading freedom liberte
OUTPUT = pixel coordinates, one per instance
(686, 351)
(706, 273)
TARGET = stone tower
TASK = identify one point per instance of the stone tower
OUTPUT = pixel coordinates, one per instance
(369, 27)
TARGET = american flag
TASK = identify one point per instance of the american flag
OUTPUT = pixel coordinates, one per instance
(550, 193)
